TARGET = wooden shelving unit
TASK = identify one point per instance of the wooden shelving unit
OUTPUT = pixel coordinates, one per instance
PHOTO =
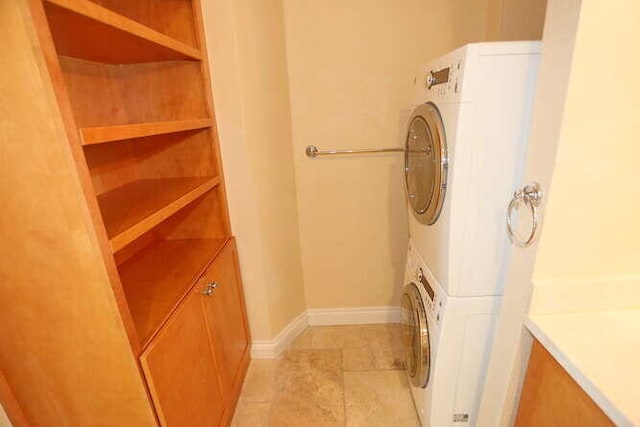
(151, 291)
(146, 163)
(149, 68)
(102, 134)
(127, 150)
(114, 38)
(148, 166)
(150, 86)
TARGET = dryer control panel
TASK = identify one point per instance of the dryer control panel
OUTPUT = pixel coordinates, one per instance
(434, 297)
(434, 304)
(443, 80)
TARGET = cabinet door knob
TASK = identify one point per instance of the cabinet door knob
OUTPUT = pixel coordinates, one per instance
(207, 292)
(212, 285)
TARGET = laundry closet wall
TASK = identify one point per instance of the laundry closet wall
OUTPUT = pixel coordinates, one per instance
(289, 73)
(351, 67)
(245, 39)
(516, 19)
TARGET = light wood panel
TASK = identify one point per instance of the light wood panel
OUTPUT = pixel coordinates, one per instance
(177, 155)
(182, 372)
(130, 250)
(203, 219)
(132, 210)
(225, 313)
(106, 95)
(173, 18)
(58, 312)
(158, 277)
(108, 36)
(550, 397)
(102, 134)
(111, 166)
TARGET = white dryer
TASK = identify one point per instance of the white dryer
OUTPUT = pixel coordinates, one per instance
(447, 344)
(464, 153)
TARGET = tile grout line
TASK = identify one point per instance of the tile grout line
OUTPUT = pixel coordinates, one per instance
(344, 387)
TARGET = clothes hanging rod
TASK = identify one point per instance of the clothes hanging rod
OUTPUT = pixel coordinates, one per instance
(313, 151)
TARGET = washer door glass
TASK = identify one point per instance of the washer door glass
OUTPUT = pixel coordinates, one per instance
(425, 163)
(415, 336)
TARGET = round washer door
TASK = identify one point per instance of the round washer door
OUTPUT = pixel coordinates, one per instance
(426, 163)
(415, 336)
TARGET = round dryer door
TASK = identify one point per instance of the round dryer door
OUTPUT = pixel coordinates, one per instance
(415, 336)
(425, 163)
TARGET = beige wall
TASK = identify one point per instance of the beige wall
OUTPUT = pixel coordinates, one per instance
(246, 43)
(591, 230)
(4, 421)
(351, 67)
(516, 19)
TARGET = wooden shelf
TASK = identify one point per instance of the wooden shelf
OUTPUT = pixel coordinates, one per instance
(102, 134)
(133, 209)
(156, 279)
(83, 29)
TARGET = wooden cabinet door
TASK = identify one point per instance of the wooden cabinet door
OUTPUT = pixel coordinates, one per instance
(181, 370)
(226, 318)
(550, 397)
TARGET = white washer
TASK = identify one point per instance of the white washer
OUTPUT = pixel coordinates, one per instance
(464, 155)
(447, 343)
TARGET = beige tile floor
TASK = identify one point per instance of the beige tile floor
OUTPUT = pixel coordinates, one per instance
(330, 376)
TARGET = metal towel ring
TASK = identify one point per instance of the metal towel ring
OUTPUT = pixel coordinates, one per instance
(530, 195)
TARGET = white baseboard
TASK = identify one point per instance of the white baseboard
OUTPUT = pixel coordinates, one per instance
(270, 349)
(353, 316)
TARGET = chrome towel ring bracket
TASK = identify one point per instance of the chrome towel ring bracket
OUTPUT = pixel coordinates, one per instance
(531, 196)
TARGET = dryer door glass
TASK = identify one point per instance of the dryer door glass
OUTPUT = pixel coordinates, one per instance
(426, 164)
(415, 336)
(409, 334)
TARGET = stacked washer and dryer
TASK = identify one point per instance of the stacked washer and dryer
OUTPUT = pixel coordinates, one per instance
(464, 155)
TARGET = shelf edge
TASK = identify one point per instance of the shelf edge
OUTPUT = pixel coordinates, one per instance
(130, 234)
(103, 134)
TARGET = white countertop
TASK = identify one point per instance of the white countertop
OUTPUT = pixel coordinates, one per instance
(601, 352)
